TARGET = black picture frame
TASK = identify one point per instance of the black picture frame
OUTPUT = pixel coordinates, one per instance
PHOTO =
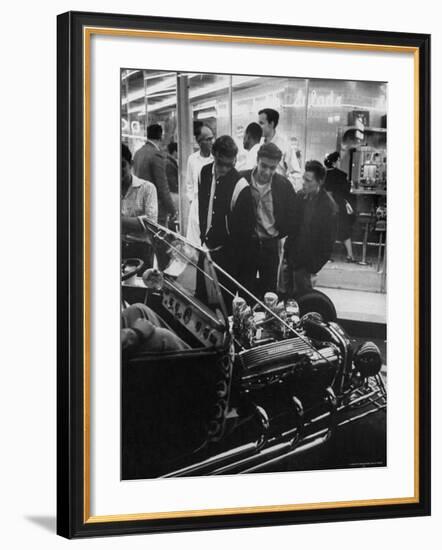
(73, 519)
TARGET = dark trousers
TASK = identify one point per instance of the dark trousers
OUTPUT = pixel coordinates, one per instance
(264, 259)
(237, 262)
(294, 282)
(223, 259)
(302, 280)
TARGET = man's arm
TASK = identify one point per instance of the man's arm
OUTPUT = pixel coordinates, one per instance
(160, 179)
(131, 224)
(293, 209)
(242, 218)
(151, 203)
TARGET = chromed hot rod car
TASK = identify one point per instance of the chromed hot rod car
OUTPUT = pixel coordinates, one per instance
(259, 381)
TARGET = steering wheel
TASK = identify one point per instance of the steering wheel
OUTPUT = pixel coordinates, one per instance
(131, 267)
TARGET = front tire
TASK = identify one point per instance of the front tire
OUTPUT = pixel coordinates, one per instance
(317, 301)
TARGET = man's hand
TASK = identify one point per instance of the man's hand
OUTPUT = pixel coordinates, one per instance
(129, 338)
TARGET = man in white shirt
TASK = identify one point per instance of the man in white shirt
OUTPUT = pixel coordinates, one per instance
(251, 142)
(204, 138)
(289, 164)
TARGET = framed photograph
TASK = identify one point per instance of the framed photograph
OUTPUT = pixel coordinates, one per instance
(234, 348)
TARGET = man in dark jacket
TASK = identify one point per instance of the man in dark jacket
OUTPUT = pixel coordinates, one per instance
(225, 211)
(310, 248)
(277, 215)
(149, 164)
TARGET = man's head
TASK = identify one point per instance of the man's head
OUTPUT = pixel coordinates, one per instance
(155, 132)
(268, 120)
(172, 149)
(269, 157)
(224, 152)
(204, 138)
(126, 164)
(252, 136)
(197, 124)
(314, 177)
(141, 331)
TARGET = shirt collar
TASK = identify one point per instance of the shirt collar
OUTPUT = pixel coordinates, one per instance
(153, 143)
(204, 158)
(274, 139)
(313, 196)
(136, 182)
(256, 185)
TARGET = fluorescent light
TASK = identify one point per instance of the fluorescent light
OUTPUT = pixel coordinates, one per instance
(211, 113)
(129, 73)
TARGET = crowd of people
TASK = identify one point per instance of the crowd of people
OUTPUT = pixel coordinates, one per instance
(260, 225)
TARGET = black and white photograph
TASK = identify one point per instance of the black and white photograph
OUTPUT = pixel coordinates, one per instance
(253, 274)
(243, 340)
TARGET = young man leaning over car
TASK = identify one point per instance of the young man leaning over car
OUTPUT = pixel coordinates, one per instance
(310, 248)
(276, 216)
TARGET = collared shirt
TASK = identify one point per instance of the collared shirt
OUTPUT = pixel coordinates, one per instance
(140, 200)
(263, 203)
(250, 158)
(194, 164)
(289, 163)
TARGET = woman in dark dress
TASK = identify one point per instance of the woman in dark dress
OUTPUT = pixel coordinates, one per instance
(337, 184)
